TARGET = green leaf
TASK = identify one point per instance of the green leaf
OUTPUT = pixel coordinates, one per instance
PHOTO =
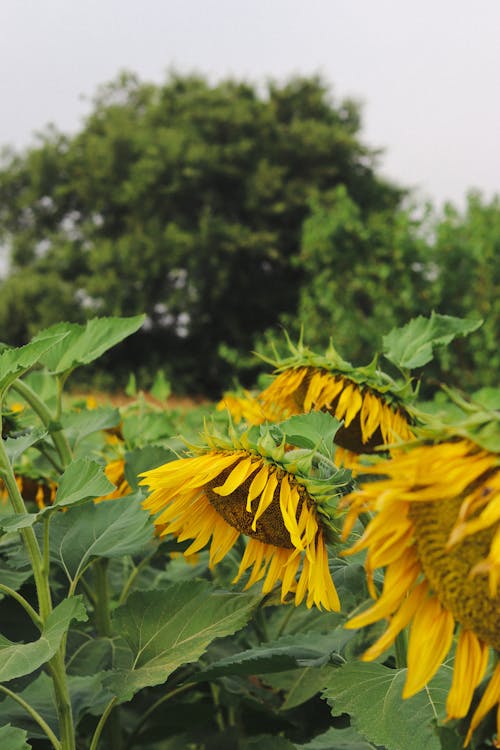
(14, 579)
(299, 685)
(161, 388)
(337, 739)
(109, 529)
(372, 695)
(288, 652)
(18, 659)
(144, 459)
(413, 344)
(16, 361)
(83, 479)
(79, 424)
(85, 343)
(313, 430)
(15, 447)
(12, 738)
(16, 521)
(488, 398)
(172, 626)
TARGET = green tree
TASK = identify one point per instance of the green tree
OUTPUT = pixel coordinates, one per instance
(185, 201)
(365, 274)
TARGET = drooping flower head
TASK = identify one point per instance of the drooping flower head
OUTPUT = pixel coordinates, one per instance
(374, 408)
(284, 502)
(436, 531)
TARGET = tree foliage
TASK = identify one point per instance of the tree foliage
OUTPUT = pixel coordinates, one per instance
(185, 201)
(225, 212)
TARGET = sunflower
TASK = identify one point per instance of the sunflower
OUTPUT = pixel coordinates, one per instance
(115, 472)
(435, 531)
(280, 501)
(374, 408)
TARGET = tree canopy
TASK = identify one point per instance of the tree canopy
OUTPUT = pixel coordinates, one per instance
(224, 211)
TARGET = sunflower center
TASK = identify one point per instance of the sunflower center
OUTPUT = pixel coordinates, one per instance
(270, 527)
(448, 570)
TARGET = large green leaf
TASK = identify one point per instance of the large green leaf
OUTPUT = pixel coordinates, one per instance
(413, 344)
(109, 529)
(288, 652)
(16, 361)
(14, 579)
(172, 626)
(17, 659)
(299, 685)
(372, 695)
(313, 430)
(17, 446)
(85, 343)
(12, 738)
(79, 424)
(337, 739)
(82, 480)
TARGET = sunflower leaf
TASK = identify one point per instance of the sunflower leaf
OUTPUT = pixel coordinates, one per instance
(80, 424)
(109, 529)
(337, 739)
(288, 652)
(13, 738)
(16, 361)
(165, 628)
(85, 343)
(83, 479)
(372, 694)
(314, 430)
(413, 344)
(18, 659)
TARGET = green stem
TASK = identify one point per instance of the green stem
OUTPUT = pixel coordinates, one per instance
(25, 604)
(54, 427)
(133, 575)
(103, 626)
(40, 573)
(401, 647)
(102, 721)
(34, 715)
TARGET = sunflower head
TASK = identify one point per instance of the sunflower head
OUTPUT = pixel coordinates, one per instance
(435, 530)
(375, 409)
(251, 484)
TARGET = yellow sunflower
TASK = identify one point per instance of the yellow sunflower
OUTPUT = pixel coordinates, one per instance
(249, 486)
(115, 472)
(435, 531)
(374, 409)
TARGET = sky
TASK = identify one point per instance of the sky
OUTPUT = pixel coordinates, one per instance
(427, 73)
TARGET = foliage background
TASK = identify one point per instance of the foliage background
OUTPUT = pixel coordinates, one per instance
(226, 212)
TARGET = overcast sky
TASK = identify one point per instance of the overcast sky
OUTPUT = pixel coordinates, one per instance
(427, 73)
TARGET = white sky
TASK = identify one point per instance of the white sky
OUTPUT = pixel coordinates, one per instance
(426, 72)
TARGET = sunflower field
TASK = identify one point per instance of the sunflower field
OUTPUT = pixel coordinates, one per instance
(310, 564)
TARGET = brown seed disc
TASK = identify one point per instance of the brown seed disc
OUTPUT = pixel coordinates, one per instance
(270, 527)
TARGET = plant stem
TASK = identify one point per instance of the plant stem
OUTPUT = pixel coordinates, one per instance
(34, 715)
(103, 626)
(102, 721)
(41, 576)
(401, 645)
(53, 426)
